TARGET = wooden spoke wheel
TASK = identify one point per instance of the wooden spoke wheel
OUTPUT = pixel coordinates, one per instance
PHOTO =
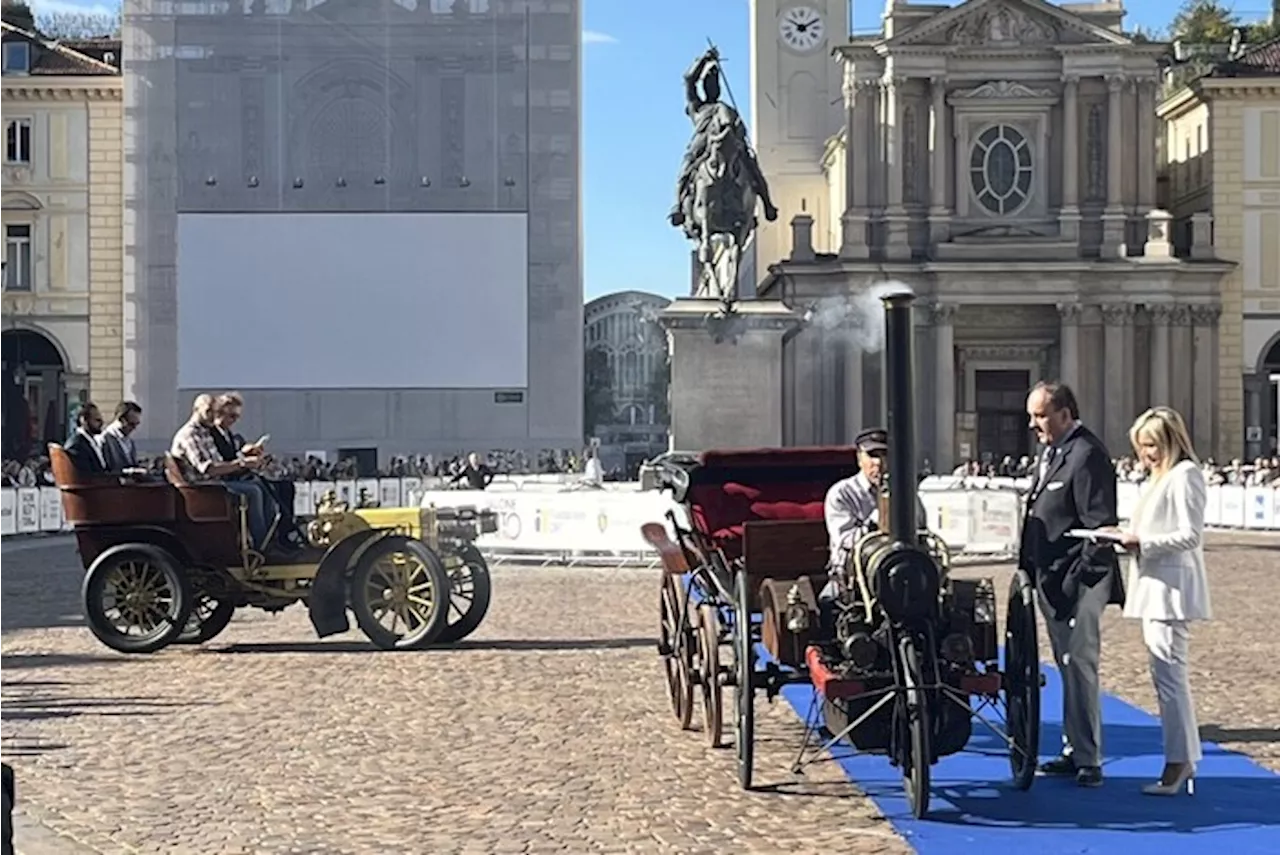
(743, 691)
(400, 594)
(136, 598)
(470, 592)
(208, 618)
(1022, 681)
(674, 648)
(914, 743)
(709, 674)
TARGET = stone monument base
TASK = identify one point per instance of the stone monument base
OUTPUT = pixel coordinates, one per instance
(726, 372)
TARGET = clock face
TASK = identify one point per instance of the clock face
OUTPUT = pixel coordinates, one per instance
(801, 28)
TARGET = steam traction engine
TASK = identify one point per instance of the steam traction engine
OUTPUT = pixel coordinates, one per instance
(902, 657)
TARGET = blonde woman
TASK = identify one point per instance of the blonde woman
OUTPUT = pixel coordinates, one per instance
(1167, 586)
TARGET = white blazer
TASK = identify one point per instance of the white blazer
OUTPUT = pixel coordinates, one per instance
(1167, 580)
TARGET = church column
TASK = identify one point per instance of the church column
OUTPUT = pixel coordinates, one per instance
(944, 399)
(1113, 218)
(1159, 355)
(1253, 386)
(1069, 216)
(939, 213)
(853, 223)
(1069, 333)
(1180, 374)
(1204, 319)
(897, 247)
(853, 417)
(1146, 147)
(1118, 376)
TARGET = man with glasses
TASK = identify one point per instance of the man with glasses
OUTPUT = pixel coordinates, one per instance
(228, 408)
(117, 442)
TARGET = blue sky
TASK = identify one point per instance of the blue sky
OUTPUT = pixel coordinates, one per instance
(635, 130)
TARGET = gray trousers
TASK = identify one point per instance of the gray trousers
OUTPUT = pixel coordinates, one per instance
(1077, 647)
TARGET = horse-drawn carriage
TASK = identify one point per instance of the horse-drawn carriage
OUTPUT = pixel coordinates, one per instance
(902, 657)
(170, 562)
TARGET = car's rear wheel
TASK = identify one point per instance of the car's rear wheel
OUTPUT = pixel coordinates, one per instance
(136, 598)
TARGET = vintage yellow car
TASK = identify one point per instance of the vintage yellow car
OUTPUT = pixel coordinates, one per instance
(170, 562)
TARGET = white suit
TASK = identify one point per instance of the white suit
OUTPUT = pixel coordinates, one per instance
(1167, 588)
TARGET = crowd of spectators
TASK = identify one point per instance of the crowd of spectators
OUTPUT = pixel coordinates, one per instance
(1262, 472)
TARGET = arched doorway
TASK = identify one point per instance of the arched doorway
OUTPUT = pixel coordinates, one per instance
(1270, 371)
(35, 398)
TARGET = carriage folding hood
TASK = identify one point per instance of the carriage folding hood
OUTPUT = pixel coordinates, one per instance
(899, 373)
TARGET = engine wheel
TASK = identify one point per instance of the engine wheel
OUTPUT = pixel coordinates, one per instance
(469, 595)
(744, 693)
(400, 594)
(673, 646)
(136, 598)
(208, 618)
(916, 730)
(1022, 681)
(709, 674)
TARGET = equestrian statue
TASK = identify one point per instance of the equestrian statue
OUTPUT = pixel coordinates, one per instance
(720, 180)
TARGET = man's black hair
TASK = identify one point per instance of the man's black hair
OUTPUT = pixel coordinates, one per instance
(1060, 396)
(125, 407)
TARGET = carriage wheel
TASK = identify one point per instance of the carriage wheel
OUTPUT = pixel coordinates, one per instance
(914, 719)
(209, 617)
(1022, 680)
(673, 647)
(469, 595)
(744, 695)
(136, 598)
(709, 657)
(400, 594)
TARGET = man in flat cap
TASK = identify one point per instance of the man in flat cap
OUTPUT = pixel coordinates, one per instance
(851, 506)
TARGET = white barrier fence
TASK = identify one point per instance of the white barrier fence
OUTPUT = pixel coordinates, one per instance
(974, 519)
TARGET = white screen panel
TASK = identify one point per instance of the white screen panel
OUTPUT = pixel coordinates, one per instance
(363, 301)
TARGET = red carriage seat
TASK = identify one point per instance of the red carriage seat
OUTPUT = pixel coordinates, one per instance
(731, 488)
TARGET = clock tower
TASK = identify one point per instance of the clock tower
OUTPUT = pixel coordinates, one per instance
(796, 106)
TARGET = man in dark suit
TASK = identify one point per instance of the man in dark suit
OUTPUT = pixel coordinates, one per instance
(117, 443)
(82, 446)
(1074, 488)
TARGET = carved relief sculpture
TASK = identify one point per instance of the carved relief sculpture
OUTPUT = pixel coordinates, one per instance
(1002, 89)
(1096, 189)
(1001, 25)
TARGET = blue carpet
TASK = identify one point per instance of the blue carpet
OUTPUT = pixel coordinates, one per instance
(1236, 807)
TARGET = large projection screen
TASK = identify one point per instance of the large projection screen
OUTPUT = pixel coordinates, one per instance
(352, 301)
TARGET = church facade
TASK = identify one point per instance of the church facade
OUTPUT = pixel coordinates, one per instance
(1000, 158)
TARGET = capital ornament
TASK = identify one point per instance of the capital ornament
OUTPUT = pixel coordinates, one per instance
(1070, 312)
(1179, 315)
(943, 313)
(1116, 314)
(1161, 313)
(1205, 314)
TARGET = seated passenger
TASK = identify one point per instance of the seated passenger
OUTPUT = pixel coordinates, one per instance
(83, 446)
(196, 452)
(227, 410)
(117, 443)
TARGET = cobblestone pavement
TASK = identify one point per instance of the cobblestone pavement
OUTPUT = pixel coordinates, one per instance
(548, 731)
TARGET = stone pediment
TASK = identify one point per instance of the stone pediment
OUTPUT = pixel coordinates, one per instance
(1005, 24)
(1002, 89)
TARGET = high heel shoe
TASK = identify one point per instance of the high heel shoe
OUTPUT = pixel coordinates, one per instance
(1186, 776)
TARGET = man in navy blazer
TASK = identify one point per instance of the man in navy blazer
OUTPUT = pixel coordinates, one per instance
(83, 445)
(1074, 488)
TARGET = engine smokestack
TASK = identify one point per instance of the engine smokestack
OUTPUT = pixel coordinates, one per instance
(899, 374)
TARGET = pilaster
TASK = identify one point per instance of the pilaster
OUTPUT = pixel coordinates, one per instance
(1114, 218)
(897, 245)
(1069, 333)
(939, 212)
(1069, 216)
(1204, 320)
(859, 116)
(944, 402)
(1117, 319)
(1159, 355)
(1181, 378)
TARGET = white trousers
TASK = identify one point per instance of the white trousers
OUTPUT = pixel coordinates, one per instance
(1167, 652)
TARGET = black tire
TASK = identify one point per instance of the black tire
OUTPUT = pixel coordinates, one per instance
(160, 591)
(1022, 680)
(418, 584)
(469, 595)
(743, 693)
(208, 618)
(916, 722)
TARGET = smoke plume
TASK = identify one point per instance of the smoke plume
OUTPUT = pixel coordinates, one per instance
(857, 319)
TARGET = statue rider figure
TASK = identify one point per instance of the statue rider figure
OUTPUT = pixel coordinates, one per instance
(709, 114)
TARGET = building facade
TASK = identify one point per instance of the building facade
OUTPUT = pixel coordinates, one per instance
(1221, 157)
(62, 213)
(999, 157)
(627, 377)
(282, 107)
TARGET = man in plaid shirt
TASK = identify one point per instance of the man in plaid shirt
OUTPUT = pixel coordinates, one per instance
(194, 449)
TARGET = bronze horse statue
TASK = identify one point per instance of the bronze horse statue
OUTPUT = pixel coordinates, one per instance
(720, 181)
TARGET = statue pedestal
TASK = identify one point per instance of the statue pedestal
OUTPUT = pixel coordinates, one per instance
(726, 372)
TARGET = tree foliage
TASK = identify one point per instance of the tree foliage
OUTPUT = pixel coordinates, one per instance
(79, 25)
(1204, 22)
(597, 404)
